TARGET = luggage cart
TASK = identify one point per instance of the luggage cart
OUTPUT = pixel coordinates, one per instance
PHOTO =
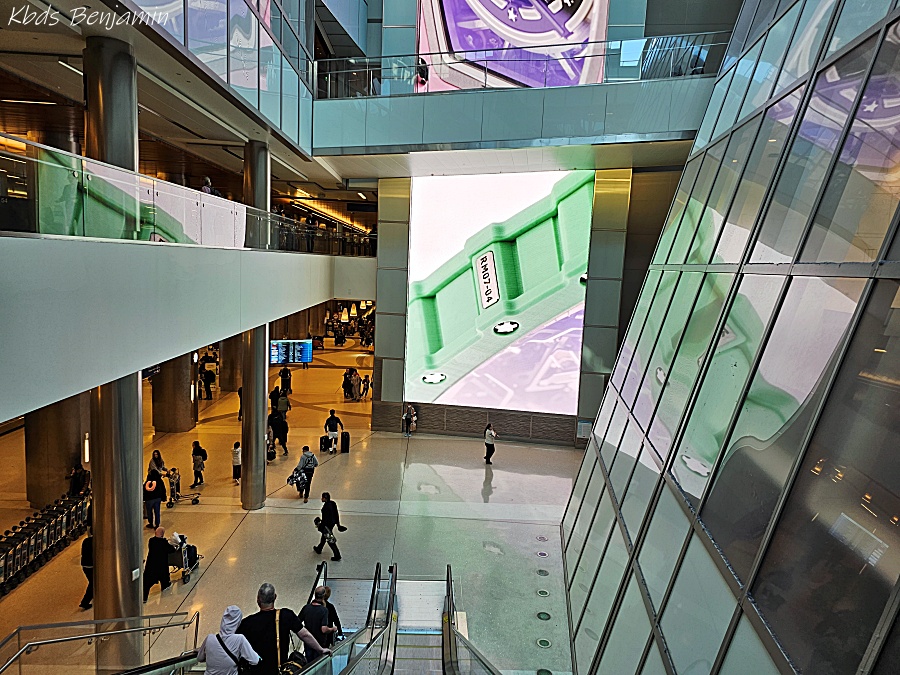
(186, 559)
(175, 494)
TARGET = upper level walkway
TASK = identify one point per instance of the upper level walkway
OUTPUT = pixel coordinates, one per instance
(650, 89)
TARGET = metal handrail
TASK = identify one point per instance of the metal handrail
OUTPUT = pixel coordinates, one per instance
(392, 593)
(450, 636)
(165, 666)
(320, 580)
(31, 646)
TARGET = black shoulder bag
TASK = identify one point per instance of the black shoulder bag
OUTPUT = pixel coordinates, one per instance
(243, 665)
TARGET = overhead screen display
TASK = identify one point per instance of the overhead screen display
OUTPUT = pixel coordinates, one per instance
(496, 289)
(290, 351)
(471, 44)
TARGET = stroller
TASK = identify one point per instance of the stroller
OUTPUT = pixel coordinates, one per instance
(175, 494)
(185, 558)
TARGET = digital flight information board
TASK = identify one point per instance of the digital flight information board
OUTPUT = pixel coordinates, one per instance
(290, 351)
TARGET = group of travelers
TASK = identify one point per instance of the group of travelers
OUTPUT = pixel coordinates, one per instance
(264, 640)
(355, 388)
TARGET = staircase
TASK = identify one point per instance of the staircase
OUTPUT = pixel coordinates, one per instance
(420, 604)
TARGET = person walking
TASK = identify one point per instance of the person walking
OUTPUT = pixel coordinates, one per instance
(283, 404)
(269, 633)
(315, 617)
(409, 419)
(87, 566)
(331, 519)
(236, 462)
(307, 465)
(489, 436)
(274, 395)
(156, 569)
(365, 387)
(279, 426)
(154, 495)
(327, 538)
(331, 428)
(199, 457)
(207, 377)
(223, 651)
(285, 375)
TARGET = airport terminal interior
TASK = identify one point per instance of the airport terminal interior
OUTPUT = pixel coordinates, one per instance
(472, 337)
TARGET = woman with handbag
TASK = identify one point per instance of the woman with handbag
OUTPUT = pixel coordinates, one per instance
(226, 652)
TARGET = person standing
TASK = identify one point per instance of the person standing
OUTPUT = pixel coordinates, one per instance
(274, 395)
(333, 619)
(156, 569)
(154, 495)
(331, 519)
(307, 465)
(365, 387)
(157, 463)
(269, 633)
(87, 566)
(354, 384)
(79, 481)
(409, 418)
(489, 437)
(236, 462)
(285, 375)
(223, 651)
(331, 428)
(199, 457)
(315, 617)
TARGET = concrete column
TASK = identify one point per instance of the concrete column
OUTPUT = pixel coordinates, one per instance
(54, 442)
(257, 188)
(230, 359)
(111, 112)
(253, 430)
(173, 410)
(117, 468)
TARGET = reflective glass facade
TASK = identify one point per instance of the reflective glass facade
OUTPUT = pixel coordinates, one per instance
(738, 508)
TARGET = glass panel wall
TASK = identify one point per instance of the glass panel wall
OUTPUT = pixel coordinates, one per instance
(746, 654)
(668, 529)
(805, 44)
(626, 643)
(648, 293)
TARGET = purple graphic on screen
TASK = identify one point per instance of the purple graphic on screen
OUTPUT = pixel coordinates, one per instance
(538, 372)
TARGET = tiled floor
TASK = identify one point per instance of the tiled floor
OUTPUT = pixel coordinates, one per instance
(422, 503)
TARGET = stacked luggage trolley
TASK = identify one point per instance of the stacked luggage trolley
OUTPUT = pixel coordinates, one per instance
(35, 540)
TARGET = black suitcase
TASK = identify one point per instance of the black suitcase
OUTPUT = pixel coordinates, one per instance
(345, 441)
(324, 444)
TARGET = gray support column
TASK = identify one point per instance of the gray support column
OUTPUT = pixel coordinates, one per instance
(54, 443)
(257, 189)
(111, 112)
(117, 462)
(253, 429)
(173, 409)
(390, 302)
(612, 200)
(230, 359)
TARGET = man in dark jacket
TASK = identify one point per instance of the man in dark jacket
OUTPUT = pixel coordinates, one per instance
(87, 566)
(156, 569)
(330, 519)
(274, 395)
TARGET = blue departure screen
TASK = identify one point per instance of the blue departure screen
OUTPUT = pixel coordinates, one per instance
(290, 351)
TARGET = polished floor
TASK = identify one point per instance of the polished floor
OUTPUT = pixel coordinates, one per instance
(421, 502)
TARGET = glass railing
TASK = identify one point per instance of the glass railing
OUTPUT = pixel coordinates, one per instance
(459, 656)
(650, 58)
(50, 192)
(88, 646)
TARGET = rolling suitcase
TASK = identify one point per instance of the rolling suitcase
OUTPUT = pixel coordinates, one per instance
(345, 441)
(324, 444)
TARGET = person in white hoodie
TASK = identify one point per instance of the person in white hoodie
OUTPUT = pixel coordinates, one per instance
(216, 647)
(236, 463)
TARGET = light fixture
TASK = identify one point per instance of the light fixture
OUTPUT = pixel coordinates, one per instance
(881, 351)
(361, 195)
(12, 100)
(192, 392)
(86, 455)
(196, 357)
(345, 316)
(70, 67)
(353, 309)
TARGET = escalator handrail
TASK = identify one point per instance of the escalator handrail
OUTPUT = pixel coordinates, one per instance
(185, 659)
(451, 637)
(30, 646)
(320, 580)
(392, 593)
(370, 615)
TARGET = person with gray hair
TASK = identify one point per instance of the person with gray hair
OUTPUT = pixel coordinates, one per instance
(223, 651)
(269, 633)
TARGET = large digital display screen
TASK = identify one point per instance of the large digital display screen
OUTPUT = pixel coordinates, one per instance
(470, 44)
(290, 351)
(497, 267)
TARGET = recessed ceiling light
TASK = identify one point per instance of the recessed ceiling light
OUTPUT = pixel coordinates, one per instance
(12, 100)
(361, 195)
